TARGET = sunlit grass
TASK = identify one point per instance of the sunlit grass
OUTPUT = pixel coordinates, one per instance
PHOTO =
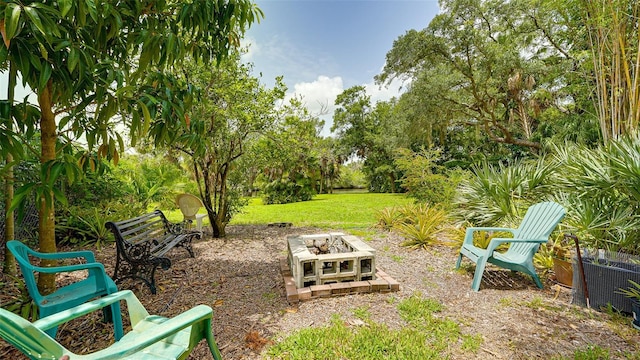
(426, 336)
(328, 211)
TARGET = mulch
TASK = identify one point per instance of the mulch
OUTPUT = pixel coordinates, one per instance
(239, 277)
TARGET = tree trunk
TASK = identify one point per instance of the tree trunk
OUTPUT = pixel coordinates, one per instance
(9, 230)
(46, 224)
(222, 206)
(9, 221)
(219, 226)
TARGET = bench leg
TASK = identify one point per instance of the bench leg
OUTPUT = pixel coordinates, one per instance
(144, 272)
(186, 243)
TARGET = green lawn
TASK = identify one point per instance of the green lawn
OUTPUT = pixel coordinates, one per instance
(344, 211)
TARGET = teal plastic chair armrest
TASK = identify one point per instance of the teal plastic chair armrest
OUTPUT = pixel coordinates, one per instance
(87, 255)
(64, 316)
(151, 337)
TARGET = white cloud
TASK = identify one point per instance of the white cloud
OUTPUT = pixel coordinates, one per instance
(384, 93)
(319, 96)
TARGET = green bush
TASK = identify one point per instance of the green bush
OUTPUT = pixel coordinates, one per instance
(601, 190)
(85, 225)
(95, 188)
(420, 225)
(424, 179)
(425, 228)
(285, 192)
(388, 218)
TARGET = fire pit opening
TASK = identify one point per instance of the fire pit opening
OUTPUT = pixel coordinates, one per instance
(329, 258)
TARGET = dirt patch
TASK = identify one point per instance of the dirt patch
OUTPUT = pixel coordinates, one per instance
(239, 277)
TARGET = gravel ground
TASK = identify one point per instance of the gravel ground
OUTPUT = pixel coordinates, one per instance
(239, 277)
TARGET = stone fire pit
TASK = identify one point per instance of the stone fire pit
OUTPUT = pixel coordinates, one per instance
(330, 258)
(333, 264)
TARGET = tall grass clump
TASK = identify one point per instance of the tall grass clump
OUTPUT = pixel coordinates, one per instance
(388, 218)
(425, 227)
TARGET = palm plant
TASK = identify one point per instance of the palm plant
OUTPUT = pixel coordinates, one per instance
(601, 189)
(632, 292)
(501, 194)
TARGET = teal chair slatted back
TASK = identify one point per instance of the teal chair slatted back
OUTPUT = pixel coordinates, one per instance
(535, 228)
(538, 223)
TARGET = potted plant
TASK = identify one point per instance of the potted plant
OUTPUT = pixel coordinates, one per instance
(561, 254)
(633, 293)
(605, 272)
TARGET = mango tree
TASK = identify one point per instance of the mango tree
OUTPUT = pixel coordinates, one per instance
(233, 110)
(86, 61)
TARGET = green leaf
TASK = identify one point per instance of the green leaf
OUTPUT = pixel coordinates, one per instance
(62, 44)
(55, 171)
(93, 12)
(45, 75)
(11, 19)
(147, 117)
(59, 195)
(65, 6)
(4, 54)
(33, 15)
(20, 194)
(120, 142)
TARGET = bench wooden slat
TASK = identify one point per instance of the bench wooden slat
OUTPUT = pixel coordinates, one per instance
(129, 228)
(141, 237)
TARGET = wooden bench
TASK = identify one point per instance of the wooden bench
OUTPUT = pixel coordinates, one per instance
(141, 245)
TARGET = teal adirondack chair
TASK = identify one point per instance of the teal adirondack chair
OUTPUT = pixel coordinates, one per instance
(152, 337)
(96, 284)
(535, 228)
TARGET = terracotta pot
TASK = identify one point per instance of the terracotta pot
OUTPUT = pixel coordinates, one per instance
(564, 271)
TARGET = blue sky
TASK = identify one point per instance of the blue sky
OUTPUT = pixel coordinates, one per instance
(323, 47)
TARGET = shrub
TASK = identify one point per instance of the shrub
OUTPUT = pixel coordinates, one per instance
(424, 228)
(86, 225)
(285, 192)
(601, 188)
(498, 195)
(388, 218)
(423, 179)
